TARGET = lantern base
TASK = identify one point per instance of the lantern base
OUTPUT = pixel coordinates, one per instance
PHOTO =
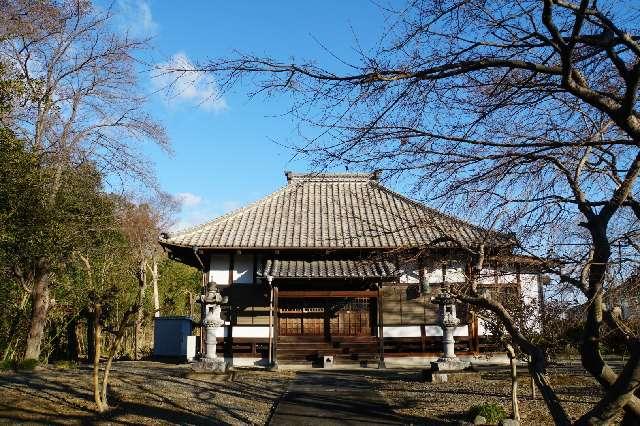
(210, 365)
(449, 364)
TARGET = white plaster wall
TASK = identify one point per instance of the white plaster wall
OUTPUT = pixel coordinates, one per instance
(410, 273)
(414, 331)
(248, 331)
(435, 330)
(432, 274)
(530, 290)
(243, 269)
(219, 269)
(487, 276)
(455, 275)
(402, 331)
(482, 328)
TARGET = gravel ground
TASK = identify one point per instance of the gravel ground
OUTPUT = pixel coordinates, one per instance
(142, 393)
(156, 393)
(447, 403)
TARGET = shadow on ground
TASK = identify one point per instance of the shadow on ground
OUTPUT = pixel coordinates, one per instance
(143, 392)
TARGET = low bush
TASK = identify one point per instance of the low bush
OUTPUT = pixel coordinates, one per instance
(494, 413)
(27, 364)
(65, 365)
(7, 364)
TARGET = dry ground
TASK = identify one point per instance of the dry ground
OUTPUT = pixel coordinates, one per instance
(141, 393)
(155, 393)
(447, 403)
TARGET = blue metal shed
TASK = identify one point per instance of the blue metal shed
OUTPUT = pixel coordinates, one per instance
(172, 337)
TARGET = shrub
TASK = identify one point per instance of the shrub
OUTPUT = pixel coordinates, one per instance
(7, 364)
(494, 413)
(65, 365)
(27, 364)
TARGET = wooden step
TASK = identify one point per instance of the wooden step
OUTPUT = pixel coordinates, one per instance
(323, 338)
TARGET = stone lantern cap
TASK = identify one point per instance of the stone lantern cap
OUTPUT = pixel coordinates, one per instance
(447, 309)
(212, 295)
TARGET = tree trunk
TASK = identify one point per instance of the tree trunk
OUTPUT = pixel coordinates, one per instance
(533, 384)
(97, 348)
(91, 338)
(621, 394)
(511, 353)
(100, 389)
(39, 310)
(142, 285)
(590, 349)
(72, 340)
(154, 280)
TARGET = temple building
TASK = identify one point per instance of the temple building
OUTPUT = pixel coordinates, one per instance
(338, 264)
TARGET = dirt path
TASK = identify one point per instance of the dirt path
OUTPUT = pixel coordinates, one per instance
(333, 398)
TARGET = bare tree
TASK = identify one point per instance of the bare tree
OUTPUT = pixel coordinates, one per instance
(522, 112)
(81, 103)
(141, 224)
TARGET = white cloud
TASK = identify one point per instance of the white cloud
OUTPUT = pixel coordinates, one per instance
(179, 79)
(188, 199)
(195, 210)
(227, 206)
(135, 17)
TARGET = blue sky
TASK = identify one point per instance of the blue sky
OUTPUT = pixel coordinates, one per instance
(226, 150)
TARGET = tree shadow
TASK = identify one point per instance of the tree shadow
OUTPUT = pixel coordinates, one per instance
(138, 393)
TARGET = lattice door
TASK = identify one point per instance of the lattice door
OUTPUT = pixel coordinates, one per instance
(352, 319)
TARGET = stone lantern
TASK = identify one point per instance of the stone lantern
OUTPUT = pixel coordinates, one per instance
(448, 321)
(211, 310)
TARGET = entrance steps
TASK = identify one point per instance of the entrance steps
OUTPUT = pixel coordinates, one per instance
(309, 349)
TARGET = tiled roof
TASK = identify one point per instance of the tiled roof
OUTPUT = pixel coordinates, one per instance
(328, 268)
(333, 211)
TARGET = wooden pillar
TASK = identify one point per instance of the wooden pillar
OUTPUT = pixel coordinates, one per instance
(474, 334)
(475, 339)
(203, 308)
(381, 363)
(276, 328)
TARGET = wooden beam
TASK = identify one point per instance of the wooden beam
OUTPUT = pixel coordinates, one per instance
(296, 294)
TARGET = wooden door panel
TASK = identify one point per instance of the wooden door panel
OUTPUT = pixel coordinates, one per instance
(340, 318)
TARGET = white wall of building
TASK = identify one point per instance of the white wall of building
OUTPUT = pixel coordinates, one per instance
(415, 330)
(219, 269)
(244, 331)
(432, 273)
(243, 269)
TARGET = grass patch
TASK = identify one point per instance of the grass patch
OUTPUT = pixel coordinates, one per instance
(494, 413)
(24, 365)
(7, 364)
(65, 365)
(27, 364)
